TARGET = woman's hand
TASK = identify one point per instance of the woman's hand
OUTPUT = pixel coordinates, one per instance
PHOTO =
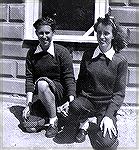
(107, 125)
(63, 109)
(26, 112)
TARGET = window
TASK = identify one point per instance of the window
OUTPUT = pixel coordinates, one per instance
(75, 18)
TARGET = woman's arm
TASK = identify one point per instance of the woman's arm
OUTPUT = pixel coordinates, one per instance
(67, 72)
(29, 86)
(81, 75)
(29, 73)
(119, 89)
(107, 124)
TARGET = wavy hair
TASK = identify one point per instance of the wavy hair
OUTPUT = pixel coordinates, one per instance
(45, 21)
(120, 39)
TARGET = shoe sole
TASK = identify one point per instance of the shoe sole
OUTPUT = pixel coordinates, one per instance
(51, 136)
(79, 141)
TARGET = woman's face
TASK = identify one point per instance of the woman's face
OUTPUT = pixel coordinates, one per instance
(44, 34)
(104, 37)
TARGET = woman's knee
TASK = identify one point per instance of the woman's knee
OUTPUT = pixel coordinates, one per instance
(74, 107)
(101, 142)
(42, 86)
(45, 93)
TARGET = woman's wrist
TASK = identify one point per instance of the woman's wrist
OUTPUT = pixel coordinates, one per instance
(29, 97)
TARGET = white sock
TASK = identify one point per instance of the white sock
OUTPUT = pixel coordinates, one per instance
(52, 120)
(93, 120)
(84, 125)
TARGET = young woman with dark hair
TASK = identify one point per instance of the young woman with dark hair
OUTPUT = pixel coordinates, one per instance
(49, 74)
(101, 85)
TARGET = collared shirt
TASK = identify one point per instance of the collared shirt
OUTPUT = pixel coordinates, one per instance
(99, 80)
(109, 54)
(45, 65)
(50, 49)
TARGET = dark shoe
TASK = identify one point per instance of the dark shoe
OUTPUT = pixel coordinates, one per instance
(52, 130)
(81, 136)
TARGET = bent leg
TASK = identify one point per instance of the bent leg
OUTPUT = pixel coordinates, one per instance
(98, 141)
(47, 98)
(82, 108)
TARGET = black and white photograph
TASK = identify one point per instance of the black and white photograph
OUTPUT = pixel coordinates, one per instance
(69, 74)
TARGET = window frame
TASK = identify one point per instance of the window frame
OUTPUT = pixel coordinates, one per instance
(32, 13)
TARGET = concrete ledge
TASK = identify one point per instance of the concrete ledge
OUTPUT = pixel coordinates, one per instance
(13, 98)
(130, 98)
(19, 96)
(14, 86)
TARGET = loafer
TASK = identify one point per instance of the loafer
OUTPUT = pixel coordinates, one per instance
(81, 136)
(52, 130)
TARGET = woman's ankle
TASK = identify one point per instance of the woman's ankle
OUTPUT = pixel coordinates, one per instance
(53, 120)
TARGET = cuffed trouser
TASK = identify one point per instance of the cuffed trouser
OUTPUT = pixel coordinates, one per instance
(82, 108)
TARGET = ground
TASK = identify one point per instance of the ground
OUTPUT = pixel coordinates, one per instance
(14, 137)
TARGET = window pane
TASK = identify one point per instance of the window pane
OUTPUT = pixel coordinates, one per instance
(71, 14)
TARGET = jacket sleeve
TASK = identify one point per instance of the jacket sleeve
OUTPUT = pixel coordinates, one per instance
(119, 89)
(29, 86)
(67, 72)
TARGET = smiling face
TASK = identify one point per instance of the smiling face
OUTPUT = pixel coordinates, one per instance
(104, 37)
(44, 34)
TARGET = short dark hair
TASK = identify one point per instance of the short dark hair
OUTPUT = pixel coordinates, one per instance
(120, 38)
(45, 21)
